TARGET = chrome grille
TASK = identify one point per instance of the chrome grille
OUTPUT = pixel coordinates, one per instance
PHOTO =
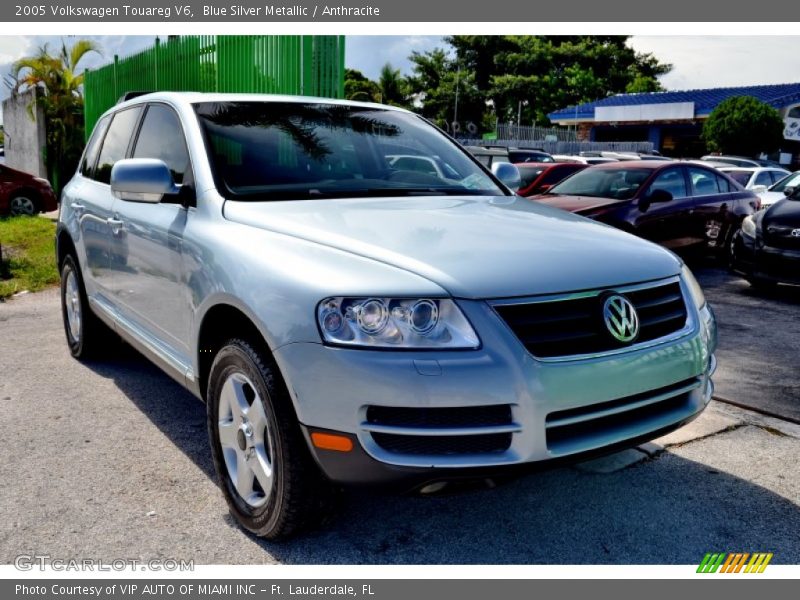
(779, 236)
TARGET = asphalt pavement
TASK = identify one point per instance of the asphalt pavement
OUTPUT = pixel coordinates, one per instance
(759, 342)
(110, 460)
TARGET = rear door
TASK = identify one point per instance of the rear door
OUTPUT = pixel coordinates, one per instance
(92, 201)
(714, 205)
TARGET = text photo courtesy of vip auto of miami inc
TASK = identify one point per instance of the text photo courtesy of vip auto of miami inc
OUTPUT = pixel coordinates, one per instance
(465, 299)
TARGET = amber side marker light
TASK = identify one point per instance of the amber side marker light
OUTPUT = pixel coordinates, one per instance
(328, 441)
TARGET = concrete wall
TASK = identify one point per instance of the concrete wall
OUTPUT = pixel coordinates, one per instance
(25, 136)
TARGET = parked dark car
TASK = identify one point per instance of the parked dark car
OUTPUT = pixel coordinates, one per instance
(766, 250)
(24, 194)
(537, 178)
(677, 205)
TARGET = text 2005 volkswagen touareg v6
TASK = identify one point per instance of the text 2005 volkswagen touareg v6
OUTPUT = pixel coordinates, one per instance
(357, 300)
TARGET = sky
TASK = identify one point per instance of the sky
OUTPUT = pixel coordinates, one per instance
(698, 61)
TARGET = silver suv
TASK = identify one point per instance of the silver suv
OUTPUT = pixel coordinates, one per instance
(350, 322)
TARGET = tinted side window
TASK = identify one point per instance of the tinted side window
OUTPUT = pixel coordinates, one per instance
(777, 176)
(672, 181)
(116, 142)
(90, 156)
(724, 185)
(763, 178)
(161, 137)
(553, 176)
(704, 182)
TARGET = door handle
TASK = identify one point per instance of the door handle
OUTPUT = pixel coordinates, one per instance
(115, 225)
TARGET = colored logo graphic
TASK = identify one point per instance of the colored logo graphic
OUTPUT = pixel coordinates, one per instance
(734, 562)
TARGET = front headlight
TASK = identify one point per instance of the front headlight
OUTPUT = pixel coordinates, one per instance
(424, 323)
(749, 226)
(695, 291)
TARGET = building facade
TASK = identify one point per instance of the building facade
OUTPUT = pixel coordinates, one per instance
(673, 121)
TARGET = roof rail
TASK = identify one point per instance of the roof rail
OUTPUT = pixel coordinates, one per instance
(132, 95)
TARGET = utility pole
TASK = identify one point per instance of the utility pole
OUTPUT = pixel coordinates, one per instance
(455, 107)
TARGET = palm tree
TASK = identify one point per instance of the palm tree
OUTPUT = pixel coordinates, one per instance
(59, 89)
(392, 86)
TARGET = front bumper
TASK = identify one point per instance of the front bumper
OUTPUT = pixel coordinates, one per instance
(559, 411)
(756, 260)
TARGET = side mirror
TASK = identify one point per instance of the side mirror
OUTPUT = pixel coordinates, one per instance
(789, 191)
(758, 189)
(508, 174)
(142, 180)
(659, 195)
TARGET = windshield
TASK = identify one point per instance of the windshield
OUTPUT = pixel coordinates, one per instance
(619, 184)
(792, 180)
(290, 150)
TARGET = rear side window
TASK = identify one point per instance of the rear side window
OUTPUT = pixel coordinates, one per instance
(763, 178)
(116, 142)
(724, 185)
(90, 156)
(161, 137)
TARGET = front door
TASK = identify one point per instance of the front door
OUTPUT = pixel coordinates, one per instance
(666, 222)
(150, 286)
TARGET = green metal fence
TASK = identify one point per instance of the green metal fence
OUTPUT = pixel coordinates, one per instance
(279, 64)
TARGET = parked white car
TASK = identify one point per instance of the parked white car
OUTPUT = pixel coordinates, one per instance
(776, 191)
(757, 179)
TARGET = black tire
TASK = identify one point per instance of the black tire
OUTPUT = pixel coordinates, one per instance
(91, 336)
(23, 203)
(725, 250)
(299, 495)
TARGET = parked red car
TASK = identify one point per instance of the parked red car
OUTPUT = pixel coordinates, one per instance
(678, 205)
(24, 194)
(537, 178)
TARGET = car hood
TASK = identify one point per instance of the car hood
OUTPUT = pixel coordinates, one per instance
(473, 247)
(785, 212)
(576, 204)
(769, 198)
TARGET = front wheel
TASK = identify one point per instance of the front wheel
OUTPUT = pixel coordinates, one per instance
(270, 481)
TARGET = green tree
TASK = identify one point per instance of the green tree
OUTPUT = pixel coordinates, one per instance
(392, 86)
(743, 125)
(544, 73)
(359, 87)
(60, 93)
(435, 78)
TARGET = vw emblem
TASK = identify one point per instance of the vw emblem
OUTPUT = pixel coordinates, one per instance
(795, 233)
(620, 318)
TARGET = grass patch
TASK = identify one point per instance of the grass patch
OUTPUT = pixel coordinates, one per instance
(29, 255)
